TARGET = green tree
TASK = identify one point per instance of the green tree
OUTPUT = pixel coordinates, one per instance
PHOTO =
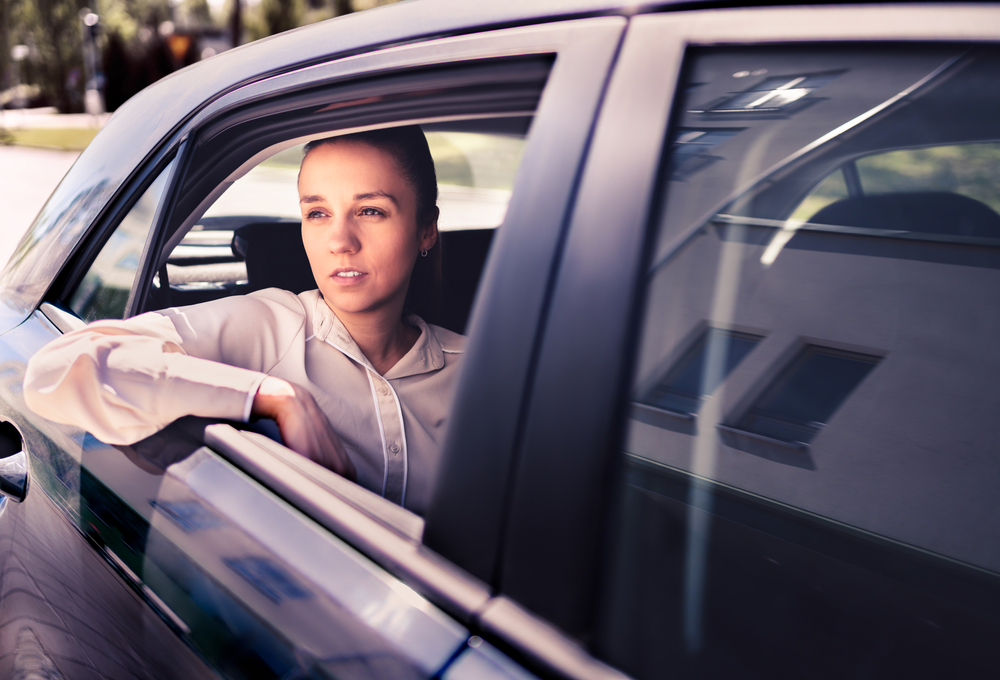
(51, 28)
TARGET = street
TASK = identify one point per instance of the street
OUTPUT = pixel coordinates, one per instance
(27, 178)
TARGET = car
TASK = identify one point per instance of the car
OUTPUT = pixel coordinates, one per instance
(728, 406)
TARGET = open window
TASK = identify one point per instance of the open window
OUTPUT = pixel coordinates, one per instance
(234, 226)
(249, 239)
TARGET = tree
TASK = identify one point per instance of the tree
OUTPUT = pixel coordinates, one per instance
(52, 29)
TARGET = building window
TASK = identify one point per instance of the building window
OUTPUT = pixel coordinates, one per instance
(691, 147)
(807, 394)
(771, 94)
(700, 369)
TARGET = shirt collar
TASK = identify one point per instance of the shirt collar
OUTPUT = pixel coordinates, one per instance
(425, 356)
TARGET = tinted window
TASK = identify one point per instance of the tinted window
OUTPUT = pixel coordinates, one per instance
(968, 170)
(829, 510)
(105, 289)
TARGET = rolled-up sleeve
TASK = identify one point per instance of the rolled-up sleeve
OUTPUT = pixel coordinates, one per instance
(125, 380)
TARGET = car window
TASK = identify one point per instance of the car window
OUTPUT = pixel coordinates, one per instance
(104, 290)
(809, 479)
(475, 172)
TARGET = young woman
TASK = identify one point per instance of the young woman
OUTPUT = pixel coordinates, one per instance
(351, 382)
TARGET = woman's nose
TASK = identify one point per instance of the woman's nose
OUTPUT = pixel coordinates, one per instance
(342, 237)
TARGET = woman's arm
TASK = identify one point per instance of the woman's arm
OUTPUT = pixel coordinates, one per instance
(123, 381)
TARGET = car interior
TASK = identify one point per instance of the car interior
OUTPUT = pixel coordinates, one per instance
(849, 183)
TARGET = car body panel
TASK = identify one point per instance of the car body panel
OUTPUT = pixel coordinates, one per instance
(573, 419)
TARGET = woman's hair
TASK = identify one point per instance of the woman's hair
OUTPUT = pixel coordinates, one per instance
(408, 146)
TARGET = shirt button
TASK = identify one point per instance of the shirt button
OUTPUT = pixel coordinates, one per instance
(394, 448)
(384, 390)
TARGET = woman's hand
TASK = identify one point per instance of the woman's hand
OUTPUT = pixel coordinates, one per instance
(304, 427)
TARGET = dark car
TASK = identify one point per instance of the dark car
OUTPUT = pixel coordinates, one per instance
(730, 279)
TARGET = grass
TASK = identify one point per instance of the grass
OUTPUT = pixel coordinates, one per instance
(67, 139)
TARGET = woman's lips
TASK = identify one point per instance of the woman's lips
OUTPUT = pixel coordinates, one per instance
(348, 277)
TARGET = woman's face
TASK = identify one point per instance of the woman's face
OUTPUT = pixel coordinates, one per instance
(359, 227)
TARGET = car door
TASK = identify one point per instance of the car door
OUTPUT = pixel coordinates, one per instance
(203, 550)
(757, 443)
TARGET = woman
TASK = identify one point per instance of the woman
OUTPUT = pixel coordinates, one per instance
(351, 383)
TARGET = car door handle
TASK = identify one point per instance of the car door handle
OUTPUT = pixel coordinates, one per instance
(13, 466)
(14, 476)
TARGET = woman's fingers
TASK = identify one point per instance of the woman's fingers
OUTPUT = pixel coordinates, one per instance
(304, 427)
(323, 445)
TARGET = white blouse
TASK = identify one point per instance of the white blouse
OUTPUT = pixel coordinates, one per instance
(125, 380)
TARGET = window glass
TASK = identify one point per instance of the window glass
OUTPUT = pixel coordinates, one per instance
(830, 190)
(968, 170)
(832, 489)
(475, 176)
(104, 291)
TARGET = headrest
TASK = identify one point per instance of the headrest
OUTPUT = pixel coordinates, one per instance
(274, 256)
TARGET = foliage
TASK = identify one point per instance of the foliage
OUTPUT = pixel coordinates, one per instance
(51, 30)
(67, 139)
(130, 39)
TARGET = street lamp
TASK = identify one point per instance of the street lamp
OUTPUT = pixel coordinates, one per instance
(93, 99)
(19, 53)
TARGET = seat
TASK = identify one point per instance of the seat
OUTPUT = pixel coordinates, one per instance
(274, 256)
(463, 256)
(930, 212)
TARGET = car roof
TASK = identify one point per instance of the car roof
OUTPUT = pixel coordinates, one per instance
(176, 97)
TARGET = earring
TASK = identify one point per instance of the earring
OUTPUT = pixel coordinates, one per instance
(423, 253)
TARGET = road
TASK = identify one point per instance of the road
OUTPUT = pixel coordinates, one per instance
(27, 178)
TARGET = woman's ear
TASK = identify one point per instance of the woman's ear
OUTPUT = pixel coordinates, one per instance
(429, 233)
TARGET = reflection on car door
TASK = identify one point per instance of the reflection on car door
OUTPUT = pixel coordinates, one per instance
(808, 484)
(72, 604)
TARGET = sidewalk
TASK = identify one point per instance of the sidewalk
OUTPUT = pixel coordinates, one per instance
(22, 119)
(27, 177)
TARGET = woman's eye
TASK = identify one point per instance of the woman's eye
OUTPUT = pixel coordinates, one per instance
(315, 214)
(370, 212)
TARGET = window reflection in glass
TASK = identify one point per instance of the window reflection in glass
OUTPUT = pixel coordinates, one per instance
(105, 289)
(700, 370)
(805, 396)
